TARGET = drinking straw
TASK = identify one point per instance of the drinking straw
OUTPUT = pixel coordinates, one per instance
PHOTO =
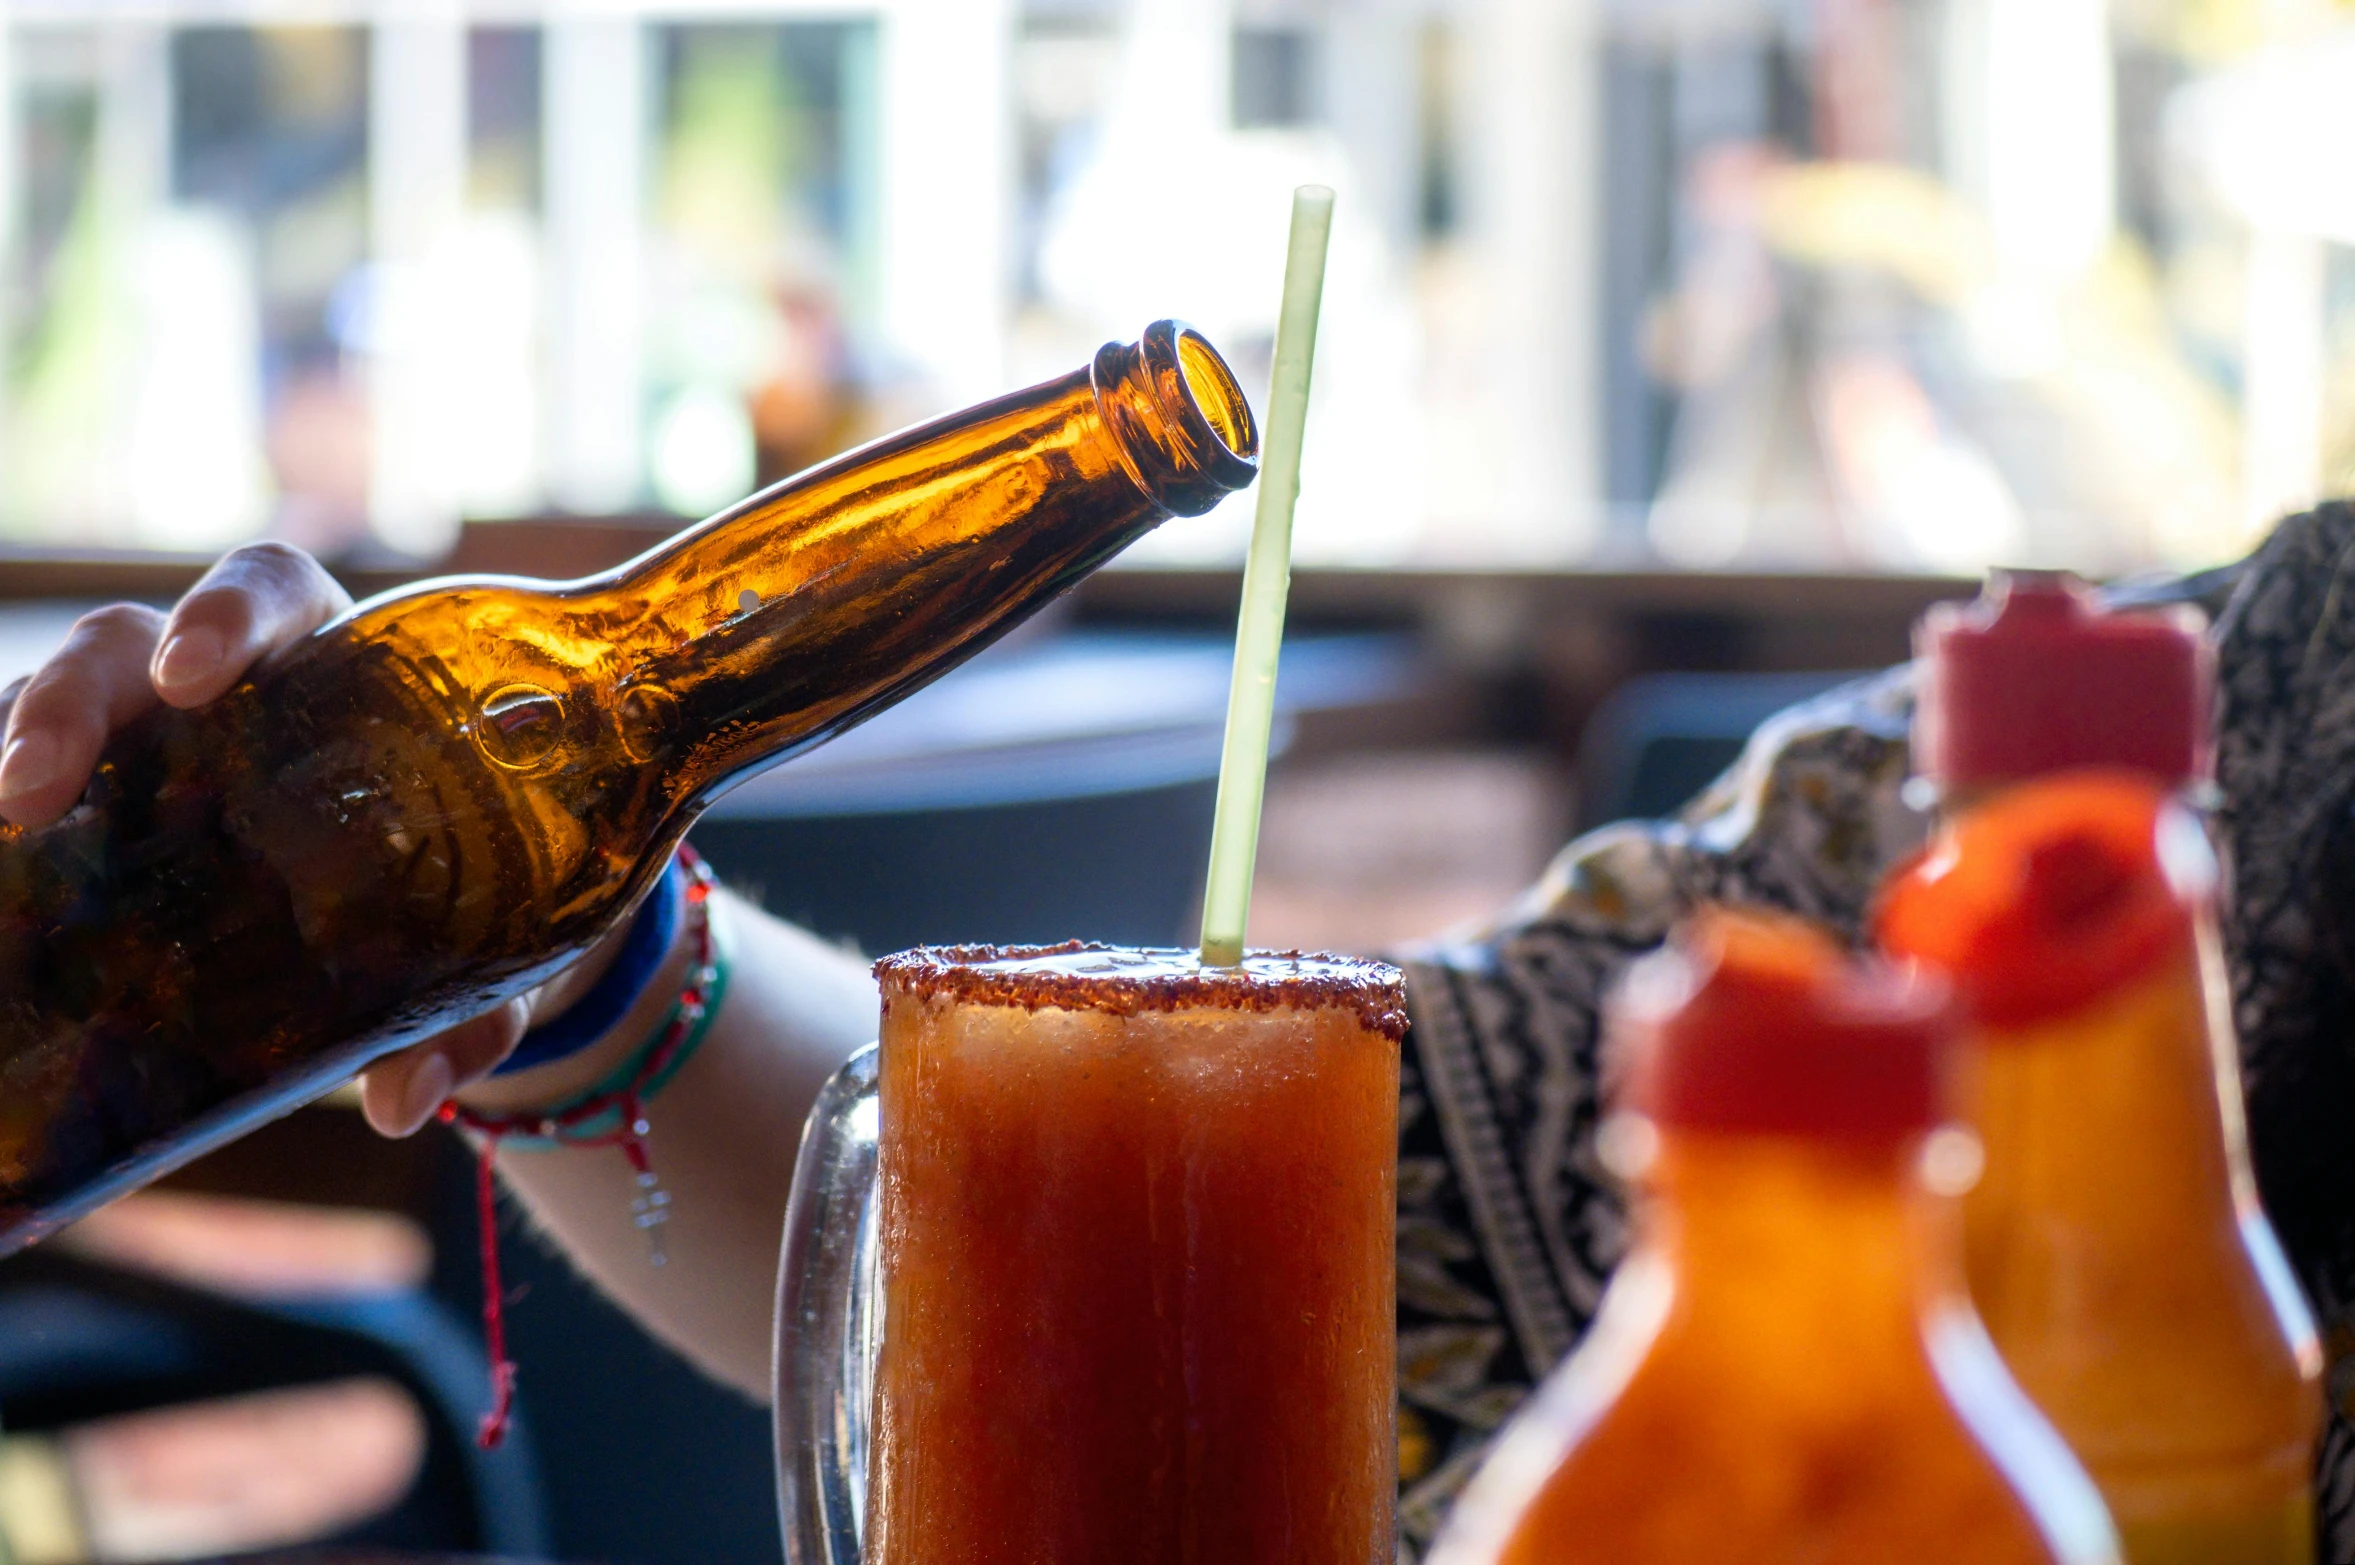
(1267, 578)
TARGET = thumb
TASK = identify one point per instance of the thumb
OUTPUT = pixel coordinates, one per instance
(400, 1093)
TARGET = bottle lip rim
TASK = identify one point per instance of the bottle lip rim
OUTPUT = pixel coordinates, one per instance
(1170, 444)
(1245, 452)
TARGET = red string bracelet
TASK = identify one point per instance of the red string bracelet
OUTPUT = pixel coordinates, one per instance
(611, 1114)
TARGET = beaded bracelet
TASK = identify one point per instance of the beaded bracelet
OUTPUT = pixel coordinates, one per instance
(610, 1114)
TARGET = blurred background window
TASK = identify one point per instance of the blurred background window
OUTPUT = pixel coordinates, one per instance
(1910, 285)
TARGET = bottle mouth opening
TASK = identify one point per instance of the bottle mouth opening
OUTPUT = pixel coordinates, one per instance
(1210, 387)
(1180, 422)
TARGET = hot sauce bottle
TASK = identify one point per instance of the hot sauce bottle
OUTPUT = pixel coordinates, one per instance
(2116, 1249)
(1786, 1367)
(2114, 1244)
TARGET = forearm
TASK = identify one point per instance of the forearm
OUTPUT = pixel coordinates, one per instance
(722, 1140)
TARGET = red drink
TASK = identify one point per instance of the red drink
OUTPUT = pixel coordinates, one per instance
(1137, 1249)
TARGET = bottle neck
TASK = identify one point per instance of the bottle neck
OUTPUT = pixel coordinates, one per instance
(2131, 1098)
(2121, 1117)
(1812, 1245)
(819, 601)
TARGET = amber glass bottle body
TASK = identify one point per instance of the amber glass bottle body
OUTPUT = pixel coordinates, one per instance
(442, 797)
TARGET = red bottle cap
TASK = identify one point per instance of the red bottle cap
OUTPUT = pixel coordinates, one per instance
(1761, 1025)
(2044, 900)
(2035, 676)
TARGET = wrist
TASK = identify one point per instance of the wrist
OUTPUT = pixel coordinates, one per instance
(560, 994)
(611, 1112)
(581, 1017)
(587, 1020)
(561, 1080)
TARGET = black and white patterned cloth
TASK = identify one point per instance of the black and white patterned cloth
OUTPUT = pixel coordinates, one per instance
(1508, 1226)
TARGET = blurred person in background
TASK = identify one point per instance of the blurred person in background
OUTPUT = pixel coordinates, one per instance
(810, 405)
(1498, 1277)
(318, 449)
(1849, 391)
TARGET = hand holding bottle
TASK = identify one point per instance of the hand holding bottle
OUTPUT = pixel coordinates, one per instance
(124, 659)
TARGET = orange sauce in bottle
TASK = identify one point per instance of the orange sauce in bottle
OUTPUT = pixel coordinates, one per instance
(1787, 1367)
(2114, 1245)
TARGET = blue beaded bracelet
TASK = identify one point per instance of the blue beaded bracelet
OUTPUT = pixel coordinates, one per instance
(652, 929)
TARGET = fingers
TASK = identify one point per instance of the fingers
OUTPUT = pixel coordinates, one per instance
(400, 1093)
(62, 715)
(253, 601)
(118, 660)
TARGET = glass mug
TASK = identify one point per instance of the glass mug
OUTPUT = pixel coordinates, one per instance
(1092, 1259)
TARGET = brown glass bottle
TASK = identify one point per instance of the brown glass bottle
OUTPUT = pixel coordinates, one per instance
(437, 800)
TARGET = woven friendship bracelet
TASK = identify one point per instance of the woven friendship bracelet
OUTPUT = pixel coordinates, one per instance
(598, 1116)
(612, 1113)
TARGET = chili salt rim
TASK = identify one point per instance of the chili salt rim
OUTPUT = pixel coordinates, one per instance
(1374, 991)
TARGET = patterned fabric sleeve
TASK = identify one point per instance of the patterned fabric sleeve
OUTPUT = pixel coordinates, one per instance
(2285, 772)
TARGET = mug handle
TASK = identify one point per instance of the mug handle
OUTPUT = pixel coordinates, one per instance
(829, 1322)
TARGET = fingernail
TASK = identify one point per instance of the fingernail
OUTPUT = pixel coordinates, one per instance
(189, 657)
(428, 1089)
(29, 762)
